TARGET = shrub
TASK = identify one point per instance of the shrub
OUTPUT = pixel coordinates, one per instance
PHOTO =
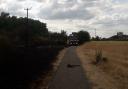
(4, 42)
(99, 56)
(20, 66)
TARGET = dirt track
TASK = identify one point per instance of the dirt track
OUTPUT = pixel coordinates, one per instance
(70, 74)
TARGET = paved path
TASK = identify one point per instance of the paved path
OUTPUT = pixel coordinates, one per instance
(70, 73)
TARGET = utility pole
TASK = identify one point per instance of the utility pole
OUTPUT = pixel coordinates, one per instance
(27, 30)
(27, 9)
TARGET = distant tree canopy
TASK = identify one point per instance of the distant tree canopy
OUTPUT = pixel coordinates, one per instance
(16, 31)
(58, 38)
(83, 36)
(4, 14)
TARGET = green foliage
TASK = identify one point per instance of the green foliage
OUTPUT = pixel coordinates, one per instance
(4, 14)
(19, 31)
(83, 36)
(58, 38)
(22, 63)
(97, 38)
(17, 28)
(4, 43)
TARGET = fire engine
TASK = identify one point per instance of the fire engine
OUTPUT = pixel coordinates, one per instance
(72, 40)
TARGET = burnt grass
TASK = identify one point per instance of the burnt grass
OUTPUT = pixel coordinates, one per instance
(20, 66)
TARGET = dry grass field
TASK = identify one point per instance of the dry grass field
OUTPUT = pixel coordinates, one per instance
(112, 74)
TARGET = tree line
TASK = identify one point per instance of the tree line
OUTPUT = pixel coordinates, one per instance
(19, 67)
(26, 50)
(16, 31)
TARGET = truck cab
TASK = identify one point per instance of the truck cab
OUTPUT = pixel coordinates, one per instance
(72, 40)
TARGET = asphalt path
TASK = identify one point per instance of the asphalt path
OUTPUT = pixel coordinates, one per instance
(70, 74)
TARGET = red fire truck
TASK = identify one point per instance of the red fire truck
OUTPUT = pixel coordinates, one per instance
(72, 40)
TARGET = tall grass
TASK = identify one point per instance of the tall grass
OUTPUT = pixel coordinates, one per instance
(98, 56)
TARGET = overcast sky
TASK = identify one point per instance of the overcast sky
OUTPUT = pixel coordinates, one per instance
(107, 16)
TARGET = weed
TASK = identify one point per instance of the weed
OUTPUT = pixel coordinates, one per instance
(99, 56)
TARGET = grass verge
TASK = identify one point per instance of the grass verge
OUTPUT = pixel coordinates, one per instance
(112, 74)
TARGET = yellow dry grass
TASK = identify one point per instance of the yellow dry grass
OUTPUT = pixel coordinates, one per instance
(108, 75)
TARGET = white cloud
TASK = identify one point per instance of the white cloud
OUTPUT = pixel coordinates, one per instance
(107, 16)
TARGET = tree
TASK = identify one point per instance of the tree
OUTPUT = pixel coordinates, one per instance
(15, 29)
(33, 33)
(4, 14)
(83, 36)
(63, 36)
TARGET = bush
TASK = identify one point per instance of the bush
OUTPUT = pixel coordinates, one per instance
(5, 42)
(20, 66)
(99, 57)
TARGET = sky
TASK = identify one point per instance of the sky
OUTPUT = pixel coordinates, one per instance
(106, 16)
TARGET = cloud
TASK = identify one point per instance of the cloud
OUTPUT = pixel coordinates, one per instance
(65, 9)
(2, 1)
(67, 14)
(107, 16)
